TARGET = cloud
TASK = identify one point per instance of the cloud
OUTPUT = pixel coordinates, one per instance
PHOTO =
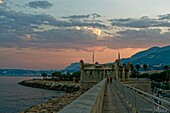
(86, 20)
(143, 22)
(139, 39)
(39, 4)
(164, 17)
(1, 1)
(83, 40)
(77, 16)
(84, 23)
(93, 15)
(78, 32)
(62, 34)
(65, 39)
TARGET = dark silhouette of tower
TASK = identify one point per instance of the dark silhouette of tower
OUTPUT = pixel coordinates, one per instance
(118, 56)
(93, 57)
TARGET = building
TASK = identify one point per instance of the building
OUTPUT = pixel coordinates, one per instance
(96, 72)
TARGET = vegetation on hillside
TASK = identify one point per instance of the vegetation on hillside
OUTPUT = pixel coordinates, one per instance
(159, 80)
(58, 76)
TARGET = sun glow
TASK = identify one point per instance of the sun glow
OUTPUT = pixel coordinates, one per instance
(163, 31)
(94, 30)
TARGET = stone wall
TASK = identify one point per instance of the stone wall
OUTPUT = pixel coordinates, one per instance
(140, 83)
(89, 102)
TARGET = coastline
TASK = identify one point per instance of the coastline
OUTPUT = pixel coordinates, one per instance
(55, 104)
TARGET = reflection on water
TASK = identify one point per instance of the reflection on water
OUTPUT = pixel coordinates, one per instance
(15, 98)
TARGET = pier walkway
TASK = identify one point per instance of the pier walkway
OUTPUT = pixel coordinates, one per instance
(114, 101)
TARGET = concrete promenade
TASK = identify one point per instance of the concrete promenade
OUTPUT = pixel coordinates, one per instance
(114, 102)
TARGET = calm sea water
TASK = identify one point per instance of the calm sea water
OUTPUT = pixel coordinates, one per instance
(15, 98)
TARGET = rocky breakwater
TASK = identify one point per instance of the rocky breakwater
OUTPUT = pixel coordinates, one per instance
(55, 104)
(51, 85)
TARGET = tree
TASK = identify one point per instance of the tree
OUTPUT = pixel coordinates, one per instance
(154, 77)
(44, 75)
(166, 70)
(164, 76)
(165, 67)
(120, 71)
(126, 72)
(131, 67)
(133, 74)
(76, 75)
(124, 65)
(56, 75)
(64, 77)
(137, 68)
(145, 67)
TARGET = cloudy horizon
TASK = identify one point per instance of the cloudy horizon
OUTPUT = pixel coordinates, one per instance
(41, 34)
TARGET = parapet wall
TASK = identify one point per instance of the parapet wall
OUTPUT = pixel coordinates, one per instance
(89, 102)
(140, 83)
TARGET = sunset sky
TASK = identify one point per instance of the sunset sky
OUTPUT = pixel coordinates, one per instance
(51, 34)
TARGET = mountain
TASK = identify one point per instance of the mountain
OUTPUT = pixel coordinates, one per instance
(74, 67)
(155, 56)
(145, 53)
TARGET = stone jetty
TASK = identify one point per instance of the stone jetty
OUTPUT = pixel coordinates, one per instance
(55, 104)
(51, 85)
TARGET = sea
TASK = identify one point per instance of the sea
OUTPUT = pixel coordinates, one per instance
(15, 98)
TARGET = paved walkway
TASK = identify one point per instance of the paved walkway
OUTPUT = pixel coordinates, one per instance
(114, 102)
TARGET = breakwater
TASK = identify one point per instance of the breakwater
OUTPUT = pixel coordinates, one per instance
(55, 104)
(51, 85)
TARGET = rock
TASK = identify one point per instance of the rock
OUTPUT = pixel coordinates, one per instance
(55, 104)
(51, 85)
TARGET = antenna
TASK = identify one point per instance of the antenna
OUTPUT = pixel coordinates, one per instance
(93, 57)
(118, 56)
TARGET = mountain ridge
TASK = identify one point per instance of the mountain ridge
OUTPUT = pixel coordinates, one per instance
(154, 56)
(136, 58)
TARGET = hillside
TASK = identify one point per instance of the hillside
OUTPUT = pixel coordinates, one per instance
(155, 57)
(74, 67)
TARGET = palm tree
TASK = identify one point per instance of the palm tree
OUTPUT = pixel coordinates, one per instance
(137, 68)
(126, 72)
(120, 71)
(131, 67)
(124, 65)
(145, 67)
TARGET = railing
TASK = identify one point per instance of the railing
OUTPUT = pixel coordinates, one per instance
(143, 102)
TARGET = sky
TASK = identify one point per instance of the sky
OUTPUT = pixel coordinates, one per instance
(51, 34)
